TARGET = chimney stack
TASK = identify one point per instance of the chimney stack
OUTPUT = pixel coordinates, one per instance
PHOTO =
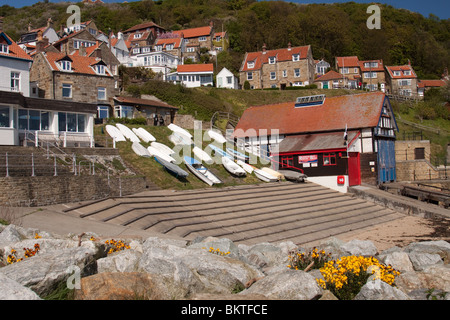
(289, 46)
(49, 23)
(41, 45)
(29, 26)
(264, 48)
(82, 51)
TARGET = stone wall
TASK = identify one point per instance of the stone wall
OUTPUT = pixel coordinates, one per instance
(404, 150)
(47, 190)
(186, 121)
(416, 170)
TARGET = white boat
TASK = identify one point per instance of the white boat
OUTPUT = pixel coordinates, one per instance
(144, 135)
(176, 128)
(264, 176)
(127, 133)
(245, 166)
(200, 171)
(115, 133)
(163, 148)
(140, 150)
(273, 173)
(202, 155)
(217, 136)
(179, 138)
(232, 167)
(158, 153)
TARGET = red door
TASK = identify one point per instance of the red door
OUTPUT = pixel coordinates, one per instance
(354, 169)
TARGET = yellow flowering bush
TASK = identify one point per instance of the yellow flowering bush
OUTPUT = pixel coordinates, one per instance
(315, 258)
(12, 258)
(217, 251)
(116, 245)
(345, 277)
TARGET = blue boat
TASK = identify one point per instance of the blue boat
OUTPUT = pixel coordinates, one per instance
(200, 171)
(172, 168)
(238, 155)
(220, 152)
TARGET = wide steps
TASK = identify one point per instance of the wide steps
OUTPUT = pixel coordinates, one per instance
(245, 214)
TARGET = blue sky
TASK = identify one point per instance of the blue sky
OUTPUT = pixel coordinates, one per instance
(440, 8)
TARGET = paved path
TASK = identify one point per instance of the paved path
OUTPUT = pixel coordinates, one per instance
(270, 212)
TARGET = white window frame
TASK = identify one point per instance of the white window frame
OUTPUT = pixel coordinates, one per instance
(284, 73)
(407, 72)
(65, 65)
(202, 38)
(100, 69)
(136, 50)
(345, 70)
(297, 73)
(273, 75)
(4, 48)
(404, 82)
(295, 57)
(397, 73)
(15, 81)
(250, 64)
(272, 60)
(249, 75)
(69, 87)
(101, 93)
(137, 36)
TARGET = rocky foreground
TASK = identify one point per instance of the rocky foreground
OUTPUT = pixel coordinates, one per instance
(206, 268)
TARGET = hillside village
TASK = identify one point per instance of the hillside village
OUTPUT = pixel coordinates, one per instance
(87, 137)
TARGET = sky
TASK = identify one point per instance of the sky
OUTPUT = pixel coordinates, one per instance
(440, 8)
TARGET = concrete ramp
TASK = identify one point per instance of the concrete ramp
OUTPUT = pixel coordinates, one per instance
(270, 212)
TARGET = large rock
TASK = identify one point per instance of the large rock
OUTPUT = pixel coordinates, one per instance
(12, 290)
(120, 286)
(437, 277)
(380, 290)
(9, 235)
(43, 272)
(122, 261)
(398, 260)
(422, 260)
(360, 248)
(286, 285)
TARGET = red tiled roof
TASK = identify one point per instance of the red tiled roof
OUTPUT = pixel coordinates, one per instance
(431, 83)
(354, 111)
(80, 64)
(175, 41)
(141, 26)
(259, 57)
(194, 32)
(14, 50)
(374, 69)
(195, 68)
(330, 75)
(407, 67)
(345, 62)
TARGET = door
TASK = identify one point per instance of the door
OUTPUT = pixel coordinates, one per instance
(354, 169)
(325, 85)
(386, 161)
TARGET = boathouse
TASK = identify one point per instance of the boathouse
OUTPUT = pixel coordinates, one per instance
(336, 141)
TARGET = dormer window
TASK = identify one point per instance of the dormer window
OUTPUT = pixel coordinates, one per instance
(407, 72)
(169, 47)
(251, 64)
(138, 36)
(397, 73)
(295, 57)
(66, 65)
(4, 48)
(100, 69)
(272, 60)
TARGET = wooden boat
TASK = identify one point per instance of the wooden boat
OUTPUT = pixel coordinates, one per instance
(179, 138)
(245, 166)
(176, 128)
(172, 168)
(217, 136)
(220, 152)
(140, 150)
(144, 135)
(200, 171)
(202, 155)
(127, 132)
(238, 155)
(158, 153)
(233, 168)
(273, 173)
(163, 148)
(115, 133)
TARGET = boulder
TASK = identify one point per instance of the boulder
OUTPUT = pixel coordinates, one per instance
(43, 272)
(122, 261)
(9, 235)
(421, 260)
(436, 277)
(120, 286)
(380, 290)
(398, 260)
(12, 290)
(360, 248)
(286, 285)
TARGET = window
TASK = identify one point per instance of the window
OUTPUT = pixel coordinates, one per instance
(4, 48)
(124, 111)
(396, 73)
(249, 75)
(102, 112)
(66, 65)
(15, 81)
(329, 159)
(371, 64)
(100, 69)
(295, 57)
(273, 76)
(67, 90)
(169, 47)
(138, 36)
(287, 162)
(344, 70)
(4, 117)
(419, 153)
(251, 64)
(147, 49)
(284, 73)
(101, 93)
(406, 82)
(202, 38)
(272, 60)
(71, 122)
(190, 49)
(296, 72)
(407, 72)
(33, 120)
(370, 75)
(136, 50)
(229, 80)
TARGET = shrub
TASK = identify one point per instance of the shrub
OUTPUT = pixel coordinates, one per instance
(315, 259)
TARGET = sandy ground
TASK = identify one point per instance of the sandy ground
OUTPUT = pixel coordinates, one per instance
(403, 231)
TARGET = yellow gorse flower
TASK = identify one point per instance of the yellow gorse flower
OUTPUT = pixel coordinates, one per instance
(115, 245)
(218, 252)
